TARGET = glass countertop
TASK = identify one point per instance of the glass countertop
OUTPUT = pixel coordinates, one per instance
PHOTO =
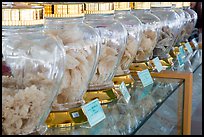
(127, 118)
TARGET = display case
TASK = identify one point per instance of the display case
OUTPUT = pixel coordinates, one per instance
(161, 108)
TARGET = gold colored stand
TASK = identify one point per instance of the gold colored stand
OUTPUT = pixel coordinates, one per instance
(167, 62)
(70, 118)
(104, 96)
(127, 79)
(135, 67)
(200, 46)
(174, 52)
(75, 116)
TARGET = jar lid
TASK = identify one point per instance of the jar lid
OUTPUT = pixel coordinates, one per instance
(122, 6)
(63, 9)
(99, 8)
(178, 4)
(22, 15)
(186, 4)
(7, 3)
(141, 5)
(161, 4)
(35, 3)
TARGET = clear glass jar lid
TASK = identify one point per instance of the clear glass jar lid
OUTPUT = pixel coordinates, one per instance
(22, 15)
(140, 5)
(122, 6)
(161, 4)
(177, 4)
(63, 9)
(99, 8)
(186, 4)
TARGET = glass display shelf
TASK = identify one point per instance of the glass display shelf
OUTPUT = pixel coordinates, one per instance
(192, 62)
(196, 61)
(126, 118)
(162, 102)
(167, 119)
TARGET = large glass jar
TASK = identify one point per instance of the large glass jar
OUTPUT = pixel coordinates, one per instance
(81, 44)
(192, 20)
(134, 28)
(32, 70)
(188, 26)
(170, 28)
(151, 30)
(113, 35)
(177, 7)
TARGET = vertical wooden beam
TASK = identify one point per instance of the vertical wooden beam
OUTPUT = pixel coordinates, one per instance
(187, 104)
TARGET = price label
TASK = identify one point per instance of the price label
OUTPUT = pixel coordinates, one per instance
(145, 77)
(180, 59)
(195, 43)
(124, 92)
(157, 64)
(188, 46)
(181, 51)
(93, 112)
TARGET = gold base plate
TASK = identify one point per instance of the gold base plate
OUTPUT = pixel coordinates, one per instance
(174, 52)
(135, 67)
(167, 63)
(127, 79)
(104, 96)
(70, 118)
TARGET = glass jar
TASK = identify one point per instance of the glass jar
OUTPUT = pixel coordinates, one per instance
(192, 20)
(188, 26)
(170, 28)
(134, 28)
(177, 7)
(81, 44)
(32, 70)
(151, 30)
(113, 35)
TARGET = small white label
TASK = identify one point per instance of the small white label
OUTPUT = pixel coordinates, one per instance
(94, 112)
(181, 51)
(145, 77)
(75, 114)
(180, 59)
(195, 43)
(124, 92)
(157, 64)
(188, 46)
